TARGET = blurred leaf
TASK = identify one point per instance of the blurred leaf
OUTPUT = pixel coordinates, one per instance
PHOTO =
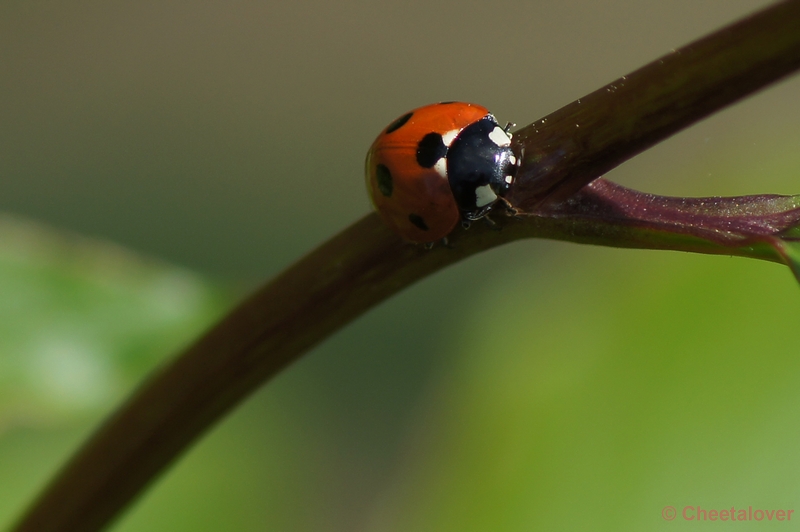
(592, 397)
(81, 321)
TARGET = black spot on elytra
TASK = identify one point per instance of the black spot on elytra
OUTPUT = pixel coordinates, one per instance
(430, 149)
(384, 178)
(400, 122)
(445, 103)
(417, 220)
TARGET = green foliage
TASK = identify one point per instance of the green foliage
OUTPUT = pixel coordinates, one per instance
(82, 321)
(604, 387)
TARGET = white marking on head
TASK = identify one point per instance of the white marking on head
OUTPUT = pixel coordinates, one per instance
(509, 179)
(499, 137)
(512, 159)
(484, 196)
(450, 136)
(441, 167)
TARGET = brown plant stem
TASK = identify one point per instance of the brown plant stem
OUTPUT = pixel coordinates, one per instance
(330, 287)
(583, 140)
(365, 264)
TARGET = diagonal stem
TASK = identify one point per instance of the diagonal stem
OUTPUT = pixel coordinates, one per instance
(357, 269)
(582, 141)
(366, 264)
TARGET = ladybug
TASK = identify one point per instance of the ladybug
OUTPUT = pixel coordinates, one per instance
(438, 165)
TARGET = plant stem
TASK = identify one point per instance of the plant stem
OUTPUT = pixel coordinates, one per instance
(360, 267)
(333, 285)
(365, 264)
(604, 213)
(582, 141)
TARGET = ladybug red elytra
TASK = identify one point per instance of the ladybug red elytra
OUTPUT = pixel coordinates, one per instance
(437, 165)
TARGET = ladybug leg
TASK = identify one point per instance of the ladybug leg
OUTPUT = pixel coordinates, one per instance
(510, 210)
(508, 127)
(491, 224)
(466, 224)
(445, 242)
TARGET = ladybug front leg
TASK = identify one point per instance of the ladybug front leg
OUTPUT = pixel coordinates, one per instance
(510, 210)
(444, 241)
(491, 224)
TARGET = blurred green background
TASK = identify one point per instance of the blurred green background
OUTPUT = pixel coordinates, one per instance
(540, 386)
